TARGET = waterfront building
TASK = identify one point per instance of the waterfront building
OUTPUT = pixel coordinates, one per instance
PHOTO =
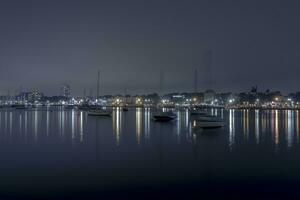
(66, 90)
(34, 96)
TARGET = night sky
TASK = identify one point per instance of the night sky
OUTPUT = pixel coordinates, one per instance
(46, 43)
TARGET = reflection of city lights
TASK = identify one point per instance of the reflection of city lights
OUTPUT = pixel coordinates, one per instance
(231, 128)
(194, 123)
(138, 125)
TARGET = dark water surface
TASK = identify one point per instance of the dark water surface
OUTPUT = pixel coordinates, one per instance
(57, 153)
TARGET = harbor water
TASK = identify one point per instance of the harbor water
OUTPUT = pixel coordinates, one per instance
(52, 152)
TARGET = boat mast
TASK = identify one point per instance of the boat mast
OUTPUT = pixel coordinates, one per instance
(161, 81)
(196, 81)
(207, 61)
(98, 80)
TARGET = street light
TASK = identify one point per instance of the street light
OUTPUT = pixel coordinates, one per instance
(231, 100)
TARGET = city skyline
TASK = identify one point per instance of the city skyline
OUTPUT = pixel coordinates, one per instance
(92, 92)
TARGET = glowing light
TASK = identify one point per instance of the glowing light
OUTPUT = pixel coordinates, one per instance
(138, 101)
(231, 100)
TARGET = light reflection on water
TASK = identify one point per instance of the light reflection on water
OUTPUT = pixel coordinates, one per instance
(147, 118)
(290, 128)
(81, 126)
(231, 128)
(276, 129)
(117, 124)
(138, 122)
(179, 122)
(297, 125)
(255, 127)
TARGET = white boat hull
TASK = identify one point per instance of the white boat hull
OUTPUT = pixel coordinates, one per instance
(208, 119)
(164, 116)
(208, 124)
(99, 113)
(200, 113)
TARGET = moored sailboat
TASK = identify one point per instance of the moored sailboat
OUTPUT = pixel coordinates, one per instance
(96, 111)
(208, 122)
(164, 116)
(99, 112)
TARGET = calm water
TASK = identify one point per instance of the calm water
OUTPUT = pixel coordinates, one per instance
(52, 153)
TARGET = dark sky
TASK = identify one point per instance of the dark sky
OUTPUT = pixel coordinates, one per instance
(46, 43)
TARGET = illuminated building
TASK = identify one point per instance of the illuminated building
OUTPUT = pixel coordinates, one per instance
(35, 96)
(66, 90)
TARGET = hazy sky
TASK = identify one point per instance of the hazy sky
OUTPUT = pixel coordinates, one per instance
(46, 43)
